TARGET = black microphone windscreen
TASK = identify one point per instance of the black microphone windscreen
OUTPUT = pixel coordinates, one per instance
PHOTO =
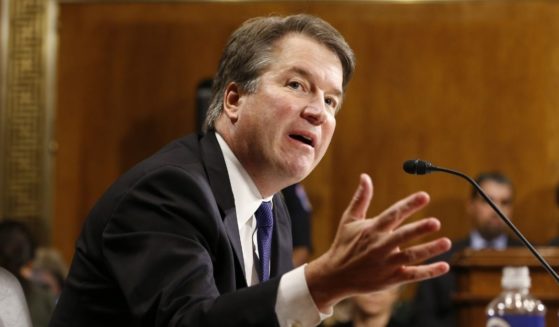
(410, 166)
(417, 167)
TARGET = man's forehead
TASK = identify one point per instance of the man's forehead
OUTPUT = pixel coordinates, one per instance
(497, 188)
(303, 42)
(294, 53)
(494, 183)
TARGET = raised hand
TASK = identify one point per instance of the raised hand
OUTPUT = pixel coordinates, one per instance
(366, 254)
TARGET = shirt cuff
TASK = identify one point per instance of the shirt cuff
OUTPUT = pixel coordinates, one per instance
(294, 304)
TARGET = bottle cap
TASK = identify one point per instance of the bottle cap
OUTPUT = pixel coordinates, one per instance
(516, 277)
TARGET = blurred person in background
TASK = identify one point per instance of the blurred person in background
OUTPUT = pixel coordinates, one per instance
(377, 309)
(49, 270)
(17, 248)
(433, 305)
(300, 212)
(13, 307)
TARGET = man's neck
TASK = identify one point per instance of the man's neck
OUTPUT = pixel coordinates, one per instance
(267, 183)
(380, 320)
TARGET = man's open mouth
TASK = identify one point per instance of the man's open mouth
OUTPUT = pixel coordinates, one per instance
(302, 138)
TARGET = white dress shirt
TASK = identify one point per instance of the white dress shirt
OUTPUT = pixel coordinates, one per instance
(477, 242)
(294, 304)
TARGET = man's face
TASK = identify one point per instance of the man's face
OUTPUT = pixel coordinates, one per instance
(484, 218)
(284, 128)
(376, 303)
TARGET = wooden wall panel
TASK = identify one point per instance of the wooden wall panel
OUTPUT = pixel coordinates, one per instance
(466, 84)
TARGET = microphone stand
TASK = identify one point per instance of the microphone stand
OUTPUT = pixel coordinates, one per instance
(507, 221)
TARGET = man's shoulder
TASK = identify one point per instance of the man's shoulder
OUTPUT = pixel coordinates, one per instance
(187, 152)
(182, 150)
(176, 167)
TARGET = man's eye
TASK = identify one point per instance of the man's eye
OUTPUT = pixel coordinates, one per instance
(330, 102)
(294, 85)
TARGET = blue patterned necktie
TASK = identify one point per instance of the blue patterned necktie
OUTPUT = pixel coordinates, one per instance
(264, 227)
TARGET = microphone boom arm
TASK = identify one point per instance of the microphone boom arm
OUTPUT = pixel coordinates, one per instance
(506, 220)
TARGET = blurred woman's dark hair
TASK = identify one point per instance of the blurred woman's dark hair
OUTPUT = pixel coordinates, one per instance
(17, 248)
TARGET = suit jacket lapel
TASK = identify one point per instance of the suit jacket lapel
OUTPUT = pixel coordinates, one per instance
(282, 249)
(214, 163)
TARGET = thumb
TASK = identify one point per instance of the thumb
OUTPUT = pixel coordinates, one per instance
(359, 204)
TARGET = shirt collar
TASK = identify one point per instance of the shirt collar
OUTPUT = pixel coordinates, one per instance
(246, 194)
(477, 241)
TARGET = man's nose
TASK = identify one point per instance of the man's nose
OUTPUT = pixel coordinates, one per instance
(315, 111)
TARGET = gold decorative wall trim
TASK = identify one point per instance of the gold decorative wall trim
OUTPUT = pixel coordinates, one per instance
(4, 36)
(27, 113)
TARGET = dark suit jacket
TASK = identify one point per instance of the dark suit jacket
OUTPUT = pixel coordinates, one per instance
(433, 303)
(162, 248)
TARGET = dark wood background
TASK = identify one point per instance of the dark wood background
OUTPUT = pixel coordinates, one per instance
(466, 84)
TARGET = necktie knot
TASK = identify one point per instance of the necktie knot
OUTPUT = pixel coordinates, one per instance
(263, 214)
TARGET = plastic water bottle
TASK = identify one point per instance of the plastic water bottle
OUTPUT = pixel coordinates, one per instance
(515, 307)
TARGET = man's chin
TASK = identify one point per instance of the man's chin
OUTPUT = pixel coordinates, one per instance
(297, 177)
(299, 170)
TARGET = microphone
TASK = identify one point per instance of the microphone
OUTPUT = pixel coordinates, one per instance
(421, 167)
(417, 167)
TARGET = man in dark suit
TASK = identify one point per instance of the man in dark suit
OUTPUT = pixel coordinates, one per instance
(195, 236)
(434, 299)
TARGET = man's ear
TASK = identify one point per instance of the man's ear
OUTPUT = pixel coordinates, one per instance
(231, 101)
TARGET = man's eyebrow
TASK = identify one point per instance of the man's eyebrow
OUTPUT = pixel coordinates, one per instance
(306, 74)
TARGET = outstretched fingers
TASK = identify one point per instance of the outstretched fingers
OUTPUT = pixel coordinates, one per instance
(411, 231)
(410, 274)
(420, 253)
(399, 211)
(359, 204)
